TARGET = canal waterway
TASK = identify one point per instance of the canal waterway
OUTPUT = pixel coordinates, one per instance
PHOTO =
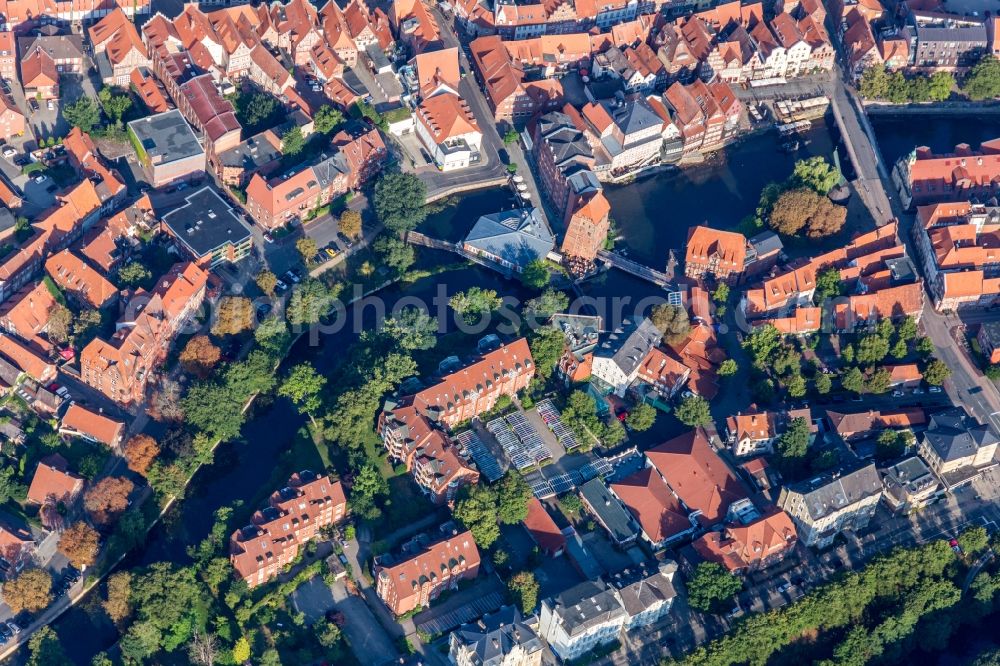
(653, 214)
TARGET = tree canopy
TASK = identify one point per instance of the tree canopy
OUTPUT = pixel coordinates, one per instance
(399, 201)
(711, 586)
(693, 411)
(802, 209)
(672, 321)
(983, 80)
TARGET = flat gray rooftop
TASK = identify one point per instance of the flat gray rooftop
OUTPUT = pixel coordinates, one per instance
(166, 135)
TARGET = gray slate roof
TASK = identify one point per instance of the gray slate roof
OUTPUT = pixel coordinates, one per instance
(59, 47)
(970, 35)
(206, 222)
(766, 242)
(628, 346)
(643, 586)
(494, 636)
(830, 492)
(252, 154)
(907, 477)
(166, 136)
(586, 605)
(953, 435)
(609, 510)
(518, 236)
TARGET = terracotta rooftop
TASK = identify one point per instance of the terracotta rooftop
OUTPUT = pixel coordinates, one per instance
(96, 426)
(73, 275)
(53, 480)
(697, 475)
(704, 243)
(652, 503)
(407, 575)
(542, 528)
(446, 116)
(741, 546)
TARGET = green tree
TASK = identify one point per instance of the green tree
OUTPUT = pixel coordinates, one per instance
(924, 345)
(82, 113)
(546, 345)
(907, 329)
(796, 385)
(310, 301)
(476, 508)
(257, 110)
(672, 321)
(395, 254)
(369, 486)
(792, 447)
(545, 305)
(303, 386)
(133, 274)
(941, 85)
(874, 83)
(29, 590)
(272, 334)
(711, 586)
(513, 494)
(412, 329)
(10, 487)
(475, 303)
(721, 294)
(728, 368)
(535, 274)
(116, 106)
(983, 80)
(693, 411)
(327, 119)
(974, 540)
(889, 445)
(762, 344)
(642, 417)
(241, 651)
(817, 174)
(853, 380)
(46, 650)
(524, 588)
(399, 201)
(878, 381)
(292, 142)
(871, 349)
(899, 350)
(823, 383)
(510, 136)
(214, 408)
(936, 372)
(828, 285)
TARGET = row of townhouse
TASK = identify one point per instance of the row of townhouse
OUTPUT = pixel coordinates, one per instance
(735, 43)
(924, 177)
(957, 248)
(22, 16)
(295, 514)
(278, 201)
(516, 21)
(414, 428)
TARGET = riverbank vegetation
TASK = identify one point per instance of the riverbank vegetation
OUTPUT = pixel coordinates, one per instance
(901, 603)
(799, 206)
(981, 82)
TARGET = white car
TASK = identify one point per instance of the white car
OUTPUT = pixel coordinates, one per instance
(50, 105)
(9, 152)
(935, 389)
(40, 178)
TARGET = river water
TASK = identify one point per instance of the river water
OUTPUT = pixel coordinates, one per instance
(653, 214)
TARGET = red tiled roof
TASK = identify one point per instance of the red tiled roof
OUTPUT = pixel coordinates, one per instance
(97, 426)
(405, 579)
(649, 499)
(26, 313)
(704, 243)
(53, 480)
(542, 528)
(72, 274)
(446, 116)
(26, 359)
(741, 546)
(697, 475)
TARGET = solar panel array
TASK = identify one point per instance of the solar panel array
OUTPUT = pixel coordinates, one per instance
(520, 441)
(541, 488)
(597, 467)
(487, 464)
(552, 419)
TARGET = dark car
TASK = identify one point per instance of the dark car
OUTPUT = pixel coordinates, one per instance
(5, 631)
(348, 243)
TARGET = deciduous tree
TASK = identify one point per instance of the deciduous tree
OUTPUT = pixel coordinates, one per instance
(107, 499)
(350, 223)
(546, 345)
(140, 452)
(272, 334)
(672, 321)
(116, 604)
(292, 142)
(399, 201)
(817, 174)
(200, 356)
(60, 324)
(983, 80)
(641, 417)
(30, 590)
(234, 315)
(307, 249)
(477, 510)
(134, 274)
(46, 649)
(693, 411)
(267, 281)
(524, 588)
(535, 274)
(327, 119)
(803, 210)
(513, 494)
(395, 254)
(711, 586)
(475, 303)
(303, 386)
(728, 368)
(936, 372)
(80, 543)
(82, 113)
(412, 329)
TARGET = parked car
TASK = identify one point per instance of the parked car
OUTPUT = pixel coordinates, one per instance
(14, 628)
(331, 250)
(6, 632)
(268, 237)
(63, 393)
(40, 178)
(935, 389)
(280, 286)
(292, 277)
(955, 546)
(50, 106)
(33, 104)
(348, 243)
(9, 152)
